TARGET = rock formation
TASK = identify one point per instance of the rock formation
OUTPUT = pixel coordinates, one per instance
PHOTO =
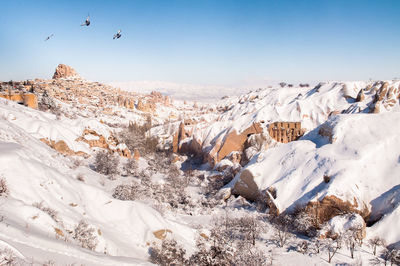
(64, 71)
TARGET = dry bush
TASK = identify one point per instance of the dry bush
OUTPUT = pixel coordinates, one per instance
(51, 212)
(85, 235)
(131, 167)
(106, 163)
(132, 191)
(168, 253)
(4, 191)
(7, 257)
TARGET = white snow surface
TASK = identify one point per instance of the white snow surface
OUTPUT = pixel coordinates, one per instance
(37, 174)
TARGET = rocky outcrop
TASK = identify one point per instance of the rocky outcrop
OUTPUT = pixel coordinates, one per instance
(63, 148)
(145, 105)
(285, 131)
(64, 71)
(331, 206)
(27, 99)
(96, 140)
(360, 96)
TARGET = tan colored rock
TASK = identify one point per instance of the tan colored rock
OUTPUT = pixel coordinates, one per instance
(64, 71)
(331, 206)
(235, 142)
(27, 99)
(285, 131)
(162, 234)
(63, 148)
(136, 154)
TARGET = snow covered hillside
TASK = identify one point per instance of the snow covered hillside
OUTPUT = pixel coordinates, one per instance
(46, 202)
(282, 175)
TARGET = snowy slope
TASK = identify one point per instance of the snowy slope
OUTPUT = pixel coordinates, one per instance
(37, 174)
(362, 163)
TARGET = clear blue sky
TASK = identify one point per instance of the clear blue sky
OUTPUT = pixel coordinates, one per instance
(202, 42)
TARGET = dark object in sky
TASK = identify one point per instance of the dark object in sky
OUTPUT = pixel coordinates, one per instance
(48, 37)
(117, 35)
(87, 21)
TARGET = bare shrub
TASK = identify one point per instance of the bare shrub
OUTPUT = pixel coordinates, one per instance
(303, 221)
(85, 235)
(282, 84)
(303, 247)
(7, 257)
(106, 163)
(376, 242)
(51, 212)
(327, 178)
(168, 253)
(251, 256)
(4, 191)
(132, 191)
(131, 166)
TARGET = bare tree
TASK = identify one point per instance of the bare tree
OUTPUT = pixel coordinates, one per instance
(333, 246)
(391, 255)
(282, 233)
(350, 240)
(375, 242)
(250, 227)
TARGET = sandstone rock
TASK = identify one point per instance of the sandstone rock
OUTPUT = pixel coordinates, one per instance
(136, 154)
(235, 142)
(63, 148)
(331, 206)
(285, 131)
(64, 71)
(246, 187)
(146, 105)
(162, 234)
(27, 99)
